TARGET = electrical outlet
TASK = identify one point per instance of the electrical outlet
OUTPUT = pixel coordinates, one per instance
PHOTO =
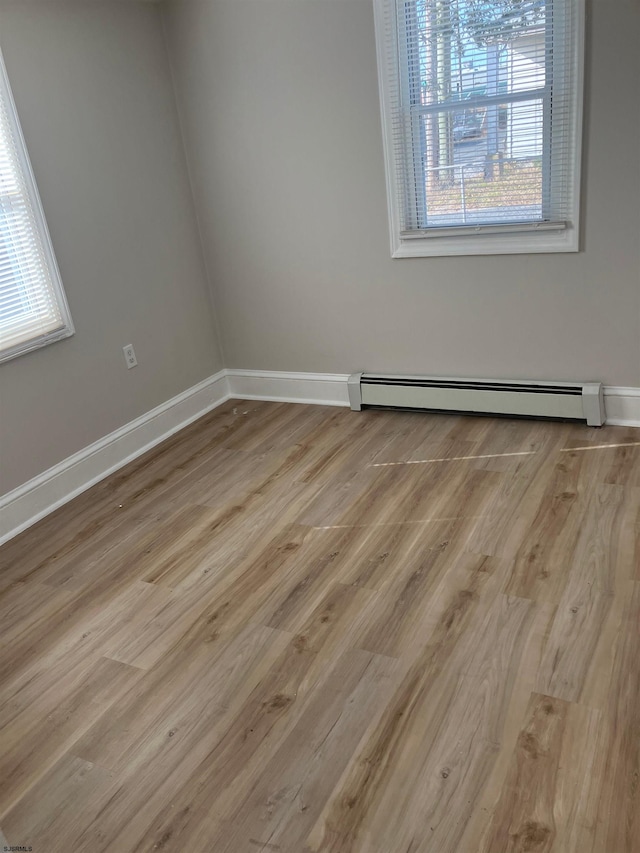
(129, 356)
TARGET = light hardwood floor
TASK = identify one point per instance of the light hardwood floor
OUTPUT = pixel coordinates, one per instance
(296, 628)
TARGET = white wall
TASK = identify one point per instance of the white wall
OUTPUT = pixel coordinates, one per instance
(280, 108)
(92, 87)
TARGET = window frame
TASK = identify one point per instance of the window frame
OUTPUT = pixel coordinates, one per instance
(498, 239)
(67, 328)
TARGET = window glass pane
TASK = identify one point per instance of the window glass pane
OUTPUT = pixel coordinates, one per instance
(462, 49)
(483, 164)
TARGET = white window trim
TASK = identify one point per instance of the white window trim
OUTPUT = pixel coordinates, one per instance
(68, 328)
(482, 240)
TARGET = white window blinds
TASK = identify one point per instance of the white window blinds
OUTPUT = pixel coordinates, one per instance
(480, 103)
(33, 309)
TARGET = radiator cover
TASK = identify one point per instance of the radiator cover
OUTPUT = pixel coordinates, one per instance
(518, 398)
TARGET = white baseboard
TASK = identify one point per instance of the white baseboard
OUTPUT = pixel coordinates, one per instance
(325, 389)
(43, 494)
(40, 496)
(622, 406)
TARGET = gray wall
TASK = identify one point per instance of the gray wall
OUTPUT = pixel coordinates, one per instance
(280, 109)
(92, 86)
(279, 106)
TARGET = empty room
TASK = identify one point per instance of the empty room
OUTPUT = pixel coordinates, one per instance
(320, 426)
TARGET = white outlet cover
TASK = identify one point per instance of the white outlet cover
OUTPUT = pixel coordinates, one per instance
(129, 356)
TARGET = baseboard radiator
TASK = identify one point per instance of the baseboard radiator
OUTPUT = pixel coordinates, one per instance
(533, 399)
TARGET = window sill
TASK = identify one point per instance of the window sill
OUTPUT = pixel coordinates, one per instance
(36, 343)
(488, 243)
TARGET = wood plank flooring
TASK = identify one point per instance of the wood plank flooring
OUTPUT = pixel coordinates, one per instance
(297, 628)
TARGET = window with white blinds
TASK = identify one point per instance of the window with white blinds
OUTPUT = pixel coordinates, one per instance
(33, 308)
(481, 107)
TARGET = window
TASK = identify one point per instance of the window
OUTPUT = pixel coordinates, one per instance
(33, 308)
(481, 111)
